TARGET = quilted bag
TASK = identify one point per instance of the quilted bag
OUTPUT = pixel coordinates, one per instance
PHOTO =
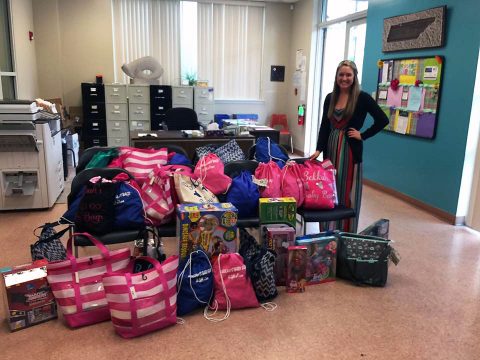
(142, 300)
(210, 171)
(49, 245)
(260, 263)
(230, 151)
(194, 282)
(77, 284)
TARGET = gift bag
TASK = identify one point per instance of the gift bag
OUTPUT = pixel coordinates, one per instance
(194, 282)
(244, 195)
(210, 171)
(77, 284)
(292, 182)
(273, 175)
(233, 288)
(96, 212)
(319, 183)
(157, 197)
(260, 263)
(363, 259)
(142, 299)
(192, 191)
(48, 245)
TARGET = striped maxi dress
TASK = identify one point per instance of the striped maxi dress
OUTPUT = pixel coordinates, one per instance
(349, 175)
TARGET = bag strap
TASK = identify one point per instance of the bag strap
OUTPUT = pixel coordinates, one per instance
(210, 317)
(52, 237)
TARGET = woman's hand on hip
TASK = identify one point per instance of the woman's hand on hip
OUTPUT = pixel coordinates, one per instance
(315, 155)
(354, 133)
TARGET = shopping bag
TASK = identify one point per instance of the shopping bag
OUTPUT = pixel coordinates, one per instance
(77, 284)
(319, 183)
(143, 298)
(139, 162)
(192, 191)
(273, 176)
(157, 197)
(210, 171)
(194, 282)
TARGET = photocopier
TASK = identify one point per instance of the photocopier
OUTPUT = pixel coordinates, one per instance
(31, 162)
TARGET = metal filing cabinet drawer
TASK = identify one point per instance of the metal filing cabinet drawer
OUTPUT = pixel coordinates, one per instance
(117, 112)
(182, 96)
(115, 94)
(117, 128)
(139, 112)
(139, 94)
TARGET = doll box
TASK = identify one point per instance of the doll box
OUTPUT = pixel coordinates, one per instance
(279, 239)
(321, 257)
(29, 299)
(213, 227)
(278, 211)
(296, 269)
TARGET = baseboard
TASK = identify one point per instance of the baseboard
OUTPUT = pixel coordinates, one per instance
(441, 214)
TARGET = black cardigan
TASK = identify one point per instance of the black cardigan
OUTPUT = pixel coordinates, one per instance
(365, 104)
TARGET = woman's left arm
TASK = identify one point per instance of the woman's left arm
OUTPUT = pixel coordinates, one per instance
(380, 120)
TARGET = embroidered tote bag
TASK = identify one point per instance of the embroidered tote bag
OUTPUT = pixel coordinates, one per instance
(319, 186)
(77, 284)
(143, 301)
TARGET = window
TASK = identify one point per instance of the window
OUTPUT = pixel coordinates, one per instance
(221, 43)
(7, 70)
(341, 35)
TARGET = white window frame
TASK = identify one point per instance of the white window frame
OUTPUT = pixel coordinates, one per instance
(12, 54)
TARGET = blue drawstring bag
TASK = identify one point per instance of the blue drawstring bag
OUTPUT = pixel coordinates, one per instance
(128, 208)
(194, 282)
(179, 159)
(244, 195)
(266, 150)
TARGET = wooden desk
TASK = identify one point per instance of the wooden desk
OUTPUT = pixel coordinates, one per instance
(165, 138)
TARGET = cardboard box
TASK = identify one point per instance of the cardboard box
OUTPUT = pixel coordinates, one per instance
(213, 227)
(279, 238)
(322, 257)
(296, 269)
(278, 211)
(29, 299)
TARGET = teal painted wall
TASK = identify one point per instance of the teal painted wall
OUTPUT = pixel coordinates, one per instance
(427, 170)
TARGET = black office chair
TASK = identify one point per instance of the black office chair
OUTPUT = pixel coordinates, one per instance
(115, 237)
(182, 119)
(233, 169)
(87, 155)
(339, 212)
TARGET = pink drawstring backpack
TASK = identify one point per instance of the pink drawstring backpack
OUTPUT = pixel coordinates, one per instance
(210, 171)
(273, 175)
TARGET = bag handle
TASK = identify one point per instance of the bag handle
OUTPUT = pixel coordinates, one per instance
(229, 305)
(52, 237)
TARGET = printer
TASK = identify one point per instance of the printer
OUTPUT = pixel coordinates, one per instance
(31, 162)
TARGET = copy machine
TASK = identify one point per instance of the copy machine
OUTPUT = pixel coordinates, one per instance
(31, 163)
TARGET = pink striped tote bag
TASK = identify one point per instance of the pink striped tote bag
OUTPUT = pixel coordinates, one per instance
(139, 162)
(77, 283)
(145, 301)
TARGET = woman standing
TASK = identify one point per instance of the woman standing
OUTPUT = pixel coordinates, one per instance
(344, 112)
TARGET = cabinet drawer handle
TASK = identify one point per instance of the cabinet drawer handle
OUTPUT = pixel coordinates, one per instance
(138, 112)
(116, 112)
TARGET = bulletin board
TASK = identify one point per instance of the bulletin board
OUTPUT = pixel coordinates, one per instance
(408, 91)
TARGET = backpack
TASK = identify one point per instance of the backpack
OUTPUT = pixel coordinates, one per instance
(266, 150)
(244, 195)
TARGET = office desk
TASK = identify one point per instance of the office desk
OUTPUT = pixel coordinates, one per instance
(165, 138)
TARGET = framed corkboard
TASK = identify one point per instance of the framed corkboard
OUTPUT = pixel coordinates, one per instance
(408, 91)
(423, 29)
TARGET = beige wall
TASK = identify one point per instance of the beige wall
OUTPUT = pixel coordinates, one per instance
(24, 49)
(79, 33)
(302, 28)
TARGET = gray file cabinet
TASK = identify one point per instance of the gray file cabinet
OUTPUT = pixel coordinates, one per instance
(139, 107)
(204, 104)
(116, 108)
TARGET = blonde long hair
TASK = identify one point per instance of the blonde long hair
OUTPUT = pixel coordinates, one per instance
(354, 92)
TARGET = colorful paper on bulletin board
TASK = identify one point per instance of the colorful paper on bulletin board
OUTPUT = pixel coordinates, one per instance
(402, 120)
(412, 129)
(425, 125)
(430, 99)
(387, 111)
(414, 98)
(408, 72)
(431, 71)
(394, 98)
